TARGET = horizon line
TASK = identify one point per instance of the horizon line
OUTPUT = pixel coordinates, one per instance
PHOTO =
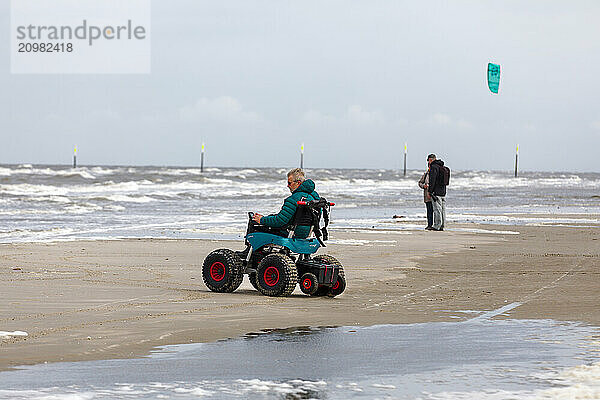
(67, 166)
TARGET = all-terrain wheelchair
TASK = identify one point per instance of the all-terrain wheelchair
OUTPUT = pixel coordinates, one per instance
(275, 260)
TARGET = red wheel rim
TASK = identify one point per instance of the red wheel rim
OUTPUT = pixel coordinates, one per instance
(337, 284)
(217, 271)
(307, 283)
(271, 276)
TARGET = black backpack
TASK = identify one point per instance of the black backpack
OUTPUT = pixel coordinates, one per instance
(445, 175)
(310, 213)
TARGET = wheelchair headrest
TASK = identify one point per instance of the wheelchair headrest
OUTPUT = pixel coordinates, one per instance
(316, 204)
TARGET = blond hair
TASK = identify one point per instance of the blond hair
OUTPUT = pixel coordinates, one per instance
(297, 174)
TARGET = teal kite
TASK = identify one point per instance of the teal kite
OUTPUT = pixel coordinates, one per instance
(493, 77)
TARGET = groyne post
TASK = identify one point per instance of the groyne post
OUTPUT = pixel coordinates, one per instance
(202, 158)
(405, 151)
(517, 162)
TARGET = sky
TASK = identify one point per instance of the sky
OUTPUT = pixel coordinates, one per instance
(352, 80)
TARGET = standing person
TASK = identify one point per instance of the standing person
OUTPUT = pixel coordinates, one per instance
(437, 191)
(424, 184)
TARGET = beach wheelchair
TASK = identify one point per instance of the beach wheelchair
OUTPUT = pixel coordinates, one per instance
(275, 261)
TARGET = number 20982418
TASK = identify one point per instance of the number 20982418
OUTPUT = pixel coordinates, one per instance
(45, 47)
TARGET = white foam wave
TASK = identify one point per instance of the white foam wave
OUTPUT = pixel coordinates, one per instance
(26, 189)
(581, 374)
(53, 199)
(31, 235)
(485, 180)
(8, 335)
(127, 199)
(105, 171)
(580, 382)
(508, 219)
(27, 169)
(217, 224)
(242, 172)
(240, 388)
(82, 208)
(488, 231)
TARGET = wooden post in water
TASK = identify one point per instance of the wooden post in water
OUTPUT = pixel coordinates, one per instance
(517, 161)
(405, 151)
(302, 156)
(75, 157)
(202, 158)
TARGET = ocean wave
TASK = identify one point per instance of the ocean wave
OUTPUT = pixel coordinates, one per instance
(239, 388)
(242, 174)
(53, 199)
(34, 196)
(82, 208)
(32, 234)
(26, 190)
(105, 170)
(121, 198)
(27, 169)
(580, 382)
(483, 180)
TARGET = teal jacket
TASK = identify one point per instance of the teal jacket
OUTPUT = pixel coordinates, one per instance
(305, 191)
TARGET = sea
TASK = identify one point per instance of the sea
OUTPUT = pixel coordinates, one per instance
(483, 355)
(55, 203)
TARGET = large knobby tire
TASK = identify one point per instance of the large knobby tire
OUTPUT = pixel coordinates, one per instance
(340, 284)
(309, 283)
(276, 275)
(327, 290)
(222, 271)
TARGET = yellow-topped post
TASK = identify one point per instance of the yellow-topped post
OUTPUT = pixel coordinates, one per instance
(302, 155)
(517, 161)
(202, 158)
(75, 157)
(405, 151)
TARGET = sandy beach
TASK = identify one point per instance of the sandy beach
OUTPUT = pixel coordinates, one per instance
(84, 300)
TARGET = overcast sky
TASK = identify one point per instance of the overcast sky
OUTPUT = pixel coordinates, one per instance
(353, 80)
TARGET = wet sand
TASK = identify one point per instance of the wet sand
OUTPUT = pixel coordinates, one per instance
(89, 300)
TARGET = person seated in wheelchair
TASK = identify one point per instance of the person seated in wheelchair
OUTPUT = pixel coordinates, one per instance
(302, 190)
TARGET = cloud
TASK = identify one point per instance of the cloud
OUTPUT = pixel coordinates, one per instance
(445, 120)
(221, 109)
(314, 117)
(354, 115)
(441, 119)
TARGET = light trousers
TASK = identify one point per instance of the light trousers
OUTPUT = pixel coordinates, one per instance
(439, 212)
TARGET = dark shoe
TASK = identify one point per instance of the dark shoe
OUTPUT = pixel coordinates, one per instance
(428, 228)
(437, 230)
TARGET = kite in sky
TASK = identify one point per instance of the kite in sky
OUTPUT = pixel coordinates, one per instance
(493, 77)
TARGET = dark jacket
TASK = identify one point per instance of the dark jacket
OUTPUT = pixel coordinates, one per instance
(436, 179)
(306, 191)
